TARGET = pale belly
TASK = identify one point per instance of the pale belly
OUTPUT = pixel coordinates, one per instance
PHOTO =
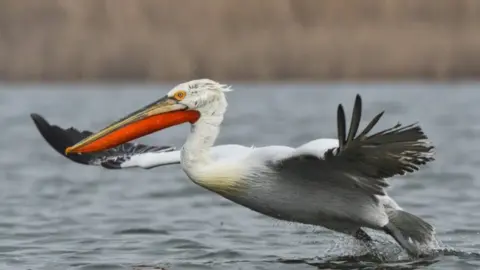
(310, 203)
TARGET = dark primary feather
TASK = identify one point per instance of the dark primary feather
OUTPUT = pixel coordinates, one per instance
(341, 126)
(366, 159)
(356, 117)
(59, 139)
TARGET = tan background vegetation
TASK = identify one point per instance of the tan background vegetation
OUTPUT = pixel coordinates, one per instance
(239, 39)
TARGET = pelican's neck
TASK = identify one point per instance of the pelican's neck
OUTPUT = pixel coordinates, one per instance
(203, 133)
(195, 155)
(197, 163)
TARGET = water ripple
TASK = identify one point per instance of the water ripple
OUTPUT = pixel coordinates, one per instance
(142, 231)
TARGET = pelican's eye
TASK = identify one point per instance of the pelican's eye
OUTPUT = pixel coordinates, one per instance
(179, 95)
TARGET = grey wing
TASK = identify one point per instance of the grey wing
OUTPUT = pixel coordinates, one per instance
(114, 158)
(362, 161)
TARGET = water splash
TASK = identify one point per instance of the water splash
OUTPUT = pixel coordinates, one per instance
(347, 253)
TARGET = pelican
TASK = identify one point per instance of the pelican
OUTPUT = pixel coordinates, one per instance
(338, 184)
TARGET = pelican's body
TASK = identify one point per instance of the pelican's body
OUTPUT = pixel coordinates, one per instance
(246, 176)
(335, 183)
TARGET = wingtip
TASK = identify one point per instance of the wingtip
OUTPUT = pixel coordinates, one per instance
(341, 126)
(340, 109)
(355, 120)
(59, 141)
(41, 124)
(358, 101)
(38, 119)
(358, 98)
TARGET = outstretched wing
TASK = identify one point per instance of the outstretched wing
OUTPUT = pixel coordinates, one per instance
(362, 161)
(119, 157)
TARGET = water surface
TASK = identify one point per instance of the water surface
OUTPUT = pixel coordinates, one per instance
(56, 214)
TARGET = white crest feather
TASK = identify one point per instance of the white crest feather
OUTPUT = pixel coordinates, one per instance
(226, 88)
(209, 84)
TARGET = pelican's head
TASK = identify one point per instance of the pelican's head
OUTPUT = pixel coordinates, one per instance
(186, 102)
(204, 95)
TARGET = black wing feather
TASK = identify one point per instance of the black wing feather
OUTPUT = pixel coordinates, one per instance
(341, 126)
(393, 151)
(59, 139)
(367, 159)
(356, 117)
(370, 125)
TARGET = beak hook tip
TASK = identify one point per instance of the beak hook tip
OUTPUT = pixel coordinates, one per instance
(68, 150)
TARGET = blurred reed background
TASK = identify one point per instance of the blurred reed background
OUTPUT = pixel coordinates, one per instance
(163, 40)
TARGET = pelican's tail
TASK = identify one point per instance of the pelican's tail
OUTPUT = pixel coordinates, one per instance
(409, 230)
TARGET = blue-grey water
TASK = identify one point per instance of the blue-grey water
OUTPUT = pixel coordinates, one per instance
(56, 214)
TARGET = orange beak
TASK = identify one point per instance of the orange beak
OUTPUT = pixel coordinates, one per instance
(159, 115)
